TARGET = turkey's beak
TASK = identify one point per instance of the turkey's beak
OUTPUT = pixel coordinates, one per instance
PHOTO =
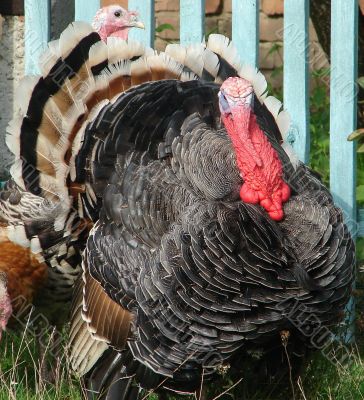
(137, 24)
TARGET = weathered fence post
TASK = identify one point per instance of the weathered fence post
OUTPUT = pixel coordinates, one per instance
(86, 10)
(146, 14)
(245, 30)
(343, 98)
(37, 32)
(296, 74)
(192, 16)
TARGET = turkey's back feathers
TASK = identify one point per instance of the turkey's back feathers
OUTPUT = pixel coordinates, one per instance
(86, 351)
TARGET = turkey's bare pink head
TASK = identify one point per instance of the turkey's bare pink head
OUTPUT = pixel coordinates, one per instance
(115, 21)
(257, 160)
(5, 303)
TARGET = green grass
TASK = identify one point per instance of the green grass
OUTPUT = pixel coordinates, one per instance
(20, 376)
(325, 381)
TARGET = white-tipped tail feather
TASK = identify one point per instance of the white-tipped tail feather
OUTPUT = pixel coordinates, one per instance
(24, 91)
(224, 47)
(72, 35)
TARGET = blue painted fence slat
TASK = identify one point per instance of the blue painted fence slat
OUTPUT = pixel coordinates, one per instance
(37, 32)
(192, 21)
(296, 74)
(245, 30)
(344, 49)
(146, 14)
(85, 10)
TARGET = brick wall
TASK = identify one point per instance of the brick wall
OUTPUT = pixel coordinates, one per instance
(218, 19)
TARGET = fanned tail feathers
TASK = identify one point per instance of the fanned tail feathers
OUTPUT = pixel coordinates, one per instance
(80, 75)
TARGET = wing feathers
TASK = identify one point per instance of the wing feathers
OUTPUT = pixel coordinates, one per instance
(84, 349)
(107, 321)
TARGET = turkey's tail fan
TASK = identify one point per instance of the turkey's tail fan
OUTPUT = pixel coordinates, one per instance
(54, 108)
(80, 75)
(218, 60)
(42, 208)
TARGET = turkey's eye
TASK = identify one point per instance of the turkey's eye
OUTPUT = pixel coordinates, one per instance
(223, 103)
(117, 14)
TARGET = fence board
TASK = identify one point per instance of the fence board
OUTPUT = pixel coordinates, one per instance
(245, 30)
(343, 88)
(296, 74)
(37, 32)
(192, 21)
(344, 49)
(85, 10)
(146, 13)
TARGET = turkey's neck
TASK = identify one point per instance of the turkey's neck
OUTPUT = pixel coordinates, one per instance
(121, 33)
(258, 162)
(110, 31)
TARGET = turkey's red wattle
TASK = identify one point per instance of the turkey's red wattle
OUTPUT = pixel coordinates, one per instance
(258, 163)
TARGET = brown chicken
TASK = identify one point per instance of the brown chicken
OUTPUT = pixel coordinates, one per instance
(5, 303)
(33, 255)
(25, 273)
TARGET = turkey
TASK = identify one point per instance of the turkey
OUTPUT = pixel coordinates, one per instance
(5, 303)
(39, 256)
(204, 233)
(115, 21)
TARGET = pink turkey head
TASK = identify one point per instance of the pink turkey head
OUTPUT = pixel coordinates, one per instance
(256, 158)
(115, 21)
(5, 303)
(234, 94)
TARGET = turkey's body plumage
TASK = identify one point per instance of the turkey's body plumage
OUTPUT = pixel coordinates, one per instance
(202, 273)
